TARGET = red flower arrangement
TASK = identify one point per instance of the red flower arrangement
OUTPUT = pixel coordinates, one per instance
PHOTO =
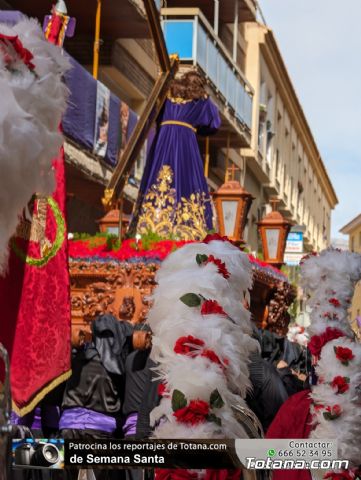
(22, 53)
(333, 412)
(210, 307)
(194, 413)
(188, 345)
(317, 342)
(340, 384)
(334, 302)
(344, 354)
(96, 247)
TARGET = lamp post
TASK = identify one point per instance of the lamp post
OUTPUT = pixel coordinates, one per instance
(274, 229)
(232, 203)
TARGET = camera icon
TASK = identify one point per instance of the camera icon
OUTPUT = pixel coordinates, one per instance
(39, 454)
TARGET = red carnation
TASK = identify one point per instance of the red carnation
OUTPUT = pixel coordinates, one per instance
(162, 390)
(339, 476)
(212, 307)
(318, 341)
(315, 345)
(344, 354)
(25, 55)
(222, 269)
(188, 345)
(194, 413)
(334, 302)
(215, 236)
(318, 407)
(341, 384)
(332, 412)
(212, 356)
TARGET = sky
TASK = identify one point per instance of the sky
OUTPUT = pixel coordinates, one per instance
(320, 41)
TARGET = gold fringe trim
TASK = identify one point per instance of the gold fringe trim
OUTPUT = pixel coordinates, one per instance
(39, 396)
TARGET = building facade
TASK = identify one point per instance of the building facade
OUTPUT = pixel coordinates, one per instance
(283, 160)
(353, 230)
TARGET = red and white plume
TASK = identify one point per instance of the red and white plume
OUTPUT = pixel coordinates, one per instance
(329, 279)
(201, 341)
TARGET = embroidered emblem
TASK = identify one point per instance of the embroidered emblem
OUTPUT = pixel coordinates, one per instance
(35, 231)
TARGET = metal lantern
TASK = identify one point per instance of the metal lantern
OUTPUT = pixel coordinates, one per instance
(110, 223)
(273, 229)
(232, 204)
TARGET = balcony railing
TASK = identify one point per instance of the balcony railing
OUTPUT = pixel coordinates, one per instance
(193, 39)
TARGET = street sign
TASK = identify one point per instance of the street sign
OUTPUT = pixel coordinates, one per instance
(293, 259)
(294, 242)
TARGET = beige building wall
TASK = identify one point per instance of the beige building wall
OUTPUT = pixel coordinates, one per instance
(353, 230)
(283, 154)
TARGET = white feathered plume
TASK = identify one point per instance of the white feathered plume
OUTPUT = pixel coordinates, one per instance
(329, 279)
(33, 98)
(201, 357)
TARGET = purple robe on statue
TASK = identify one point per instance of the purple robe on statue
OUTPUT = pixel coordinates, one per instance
(174, 200)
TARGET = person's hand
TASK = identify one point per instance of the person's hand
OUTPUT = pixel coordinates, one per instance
(282, 364)
(142, 340)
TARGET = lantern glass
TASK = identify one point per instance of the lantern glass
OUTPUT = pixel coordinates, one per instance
(229, 208)
(113, 230)
(272, 238)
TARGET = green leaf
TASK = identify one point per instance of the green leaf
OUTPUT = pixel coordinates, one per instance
(201, 258)
(212, 418)
(178, 400)
(191, 300)
(347, 379)
(216, 401)
(327, 416)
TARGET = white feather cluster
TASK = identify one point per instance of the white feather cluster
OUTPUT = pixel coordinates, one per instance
(32, 103)
(197, 376)
(332, 276)
(297, 334)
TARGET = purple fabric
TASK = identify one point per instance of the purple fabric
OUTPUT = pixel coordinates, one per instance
(177, 146)
(79, 119)
(44, 416)
(11, 17)
(82, 418)
(130, 424)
